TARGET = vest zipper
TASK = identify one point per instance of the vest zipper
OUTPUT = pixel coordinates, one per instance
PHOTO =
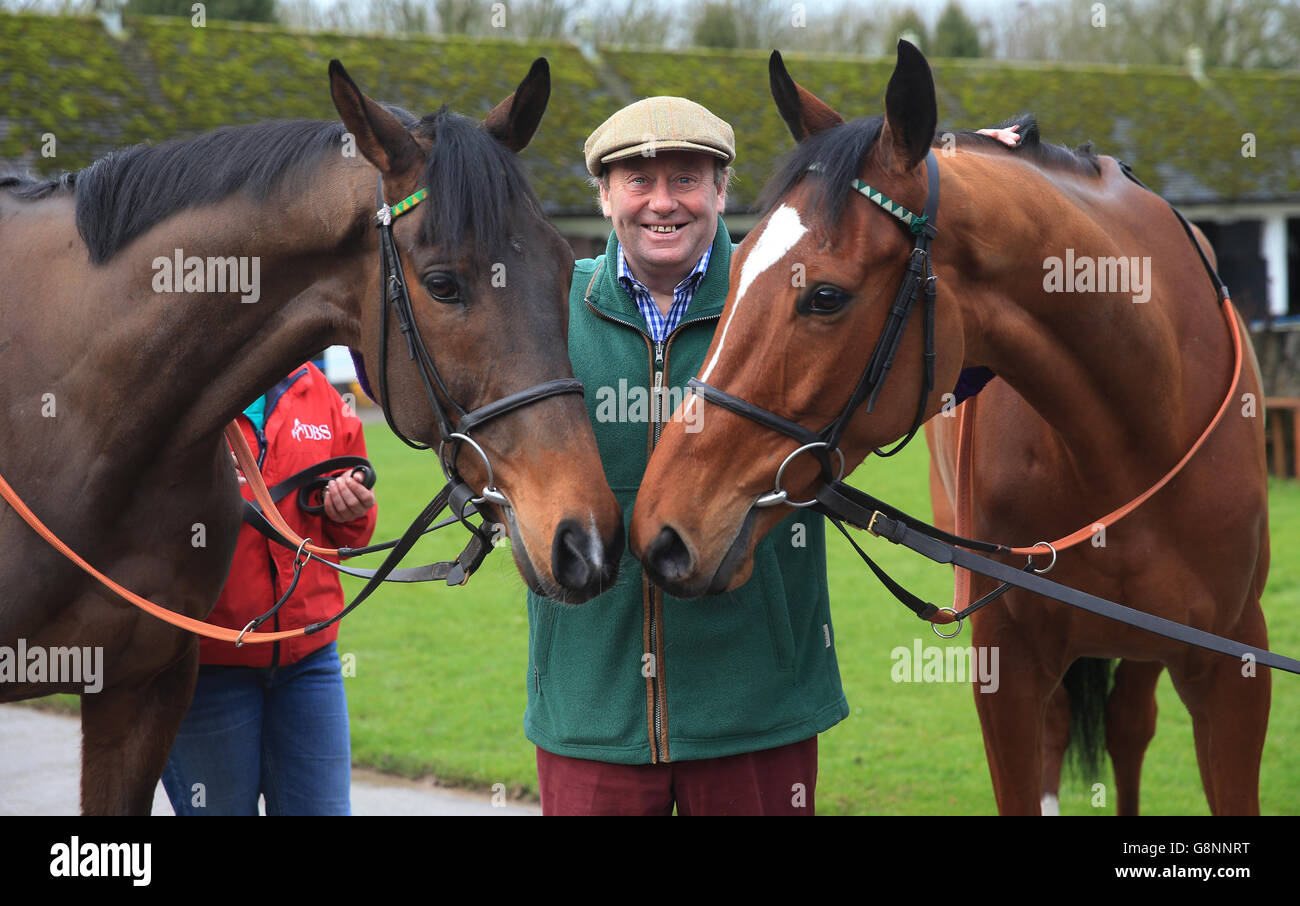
(658, 366)
(658, 745)
(657, 397)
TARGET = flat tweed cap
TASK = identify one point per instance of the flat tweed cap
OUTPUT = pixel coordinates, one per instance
(659, 124)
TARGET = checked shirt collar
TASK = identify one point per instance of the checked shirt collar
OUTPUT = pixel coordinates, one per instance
(660, 326)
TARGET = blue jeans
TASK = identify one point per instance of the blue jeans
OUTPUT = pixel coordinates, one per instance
(277, 731)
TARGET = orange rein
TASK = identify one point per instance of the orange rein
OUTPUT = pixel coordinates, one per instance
(964, 493)
(248, 463)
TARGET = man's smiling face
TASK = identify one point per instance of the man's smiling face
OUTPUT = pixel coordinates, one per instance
(665, 212)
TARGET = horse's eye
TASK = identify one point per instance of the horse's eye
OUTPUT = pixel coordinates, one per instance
(826, 299)
(442, 287)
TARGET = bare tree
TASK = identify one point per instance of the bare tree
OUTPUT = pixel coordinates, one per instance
(463, 17)
(736, 24)
(816, 26)
(631, 22)
(543, 18)
(1234, 33)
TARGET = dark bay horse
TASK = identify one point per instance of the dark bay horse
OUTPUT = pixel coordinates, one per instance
(116, 380)
(1101, 392)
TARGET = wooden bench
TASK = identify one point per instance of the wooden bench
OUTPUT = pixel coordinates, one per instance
(1278, 463)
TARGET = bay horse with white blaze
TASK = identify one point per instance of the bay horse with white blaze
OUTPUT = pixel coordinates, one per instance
(115, 394)
(1099, 395)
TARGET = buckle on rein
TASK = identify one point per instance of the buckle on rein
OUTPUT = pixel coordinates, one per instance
(871, 526)
(959, 617)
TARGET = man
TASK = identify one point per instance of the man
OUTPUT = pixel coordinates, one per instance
(638, 701)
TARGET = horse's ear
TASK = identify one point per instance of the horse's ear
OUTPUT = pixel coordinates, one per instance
(802, 110)
(380, 136)
(515, 119)
(911, 113)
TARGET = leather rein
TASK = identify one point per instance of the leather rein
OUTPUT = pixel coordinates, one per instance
(841, 503)
(264, 516)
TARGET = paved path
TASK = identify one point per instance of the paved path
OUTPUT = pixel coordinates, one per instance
(40, 765)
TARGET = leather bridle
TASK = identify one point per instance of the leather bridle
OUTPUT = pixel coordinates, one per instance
(393, 291)
(918, 283)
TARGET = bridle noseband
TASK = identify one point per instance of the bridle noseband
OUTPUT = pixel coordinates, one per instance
(393, 291)
(918, 283)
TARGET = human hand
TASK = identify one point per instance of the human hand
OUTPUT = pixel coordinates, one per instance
(346, 498)
(1007, 136)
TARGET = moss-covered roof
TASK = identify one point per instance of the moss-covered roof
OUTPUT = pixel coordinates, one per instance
(168, 79)
(1182, 138)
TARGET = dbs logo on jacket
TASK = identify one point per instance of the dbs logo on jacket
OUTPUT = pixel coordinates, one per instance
(311, 432)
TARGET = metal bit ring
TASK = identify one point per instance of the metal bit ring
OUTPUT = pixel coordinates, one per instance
(490, 492)
(773, 497)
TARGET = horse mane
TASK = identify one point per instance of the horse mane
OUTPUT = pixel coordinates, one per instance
(840, 152)
(34, 188)
(1081, 160)
(473, 179)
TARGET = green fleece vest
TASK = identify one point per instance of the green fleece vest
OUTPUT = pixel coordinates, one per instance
(745, 670)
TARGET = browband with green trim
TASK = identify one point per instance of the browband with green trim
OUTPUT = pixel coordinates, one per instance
(409, 202)
(386, 214)
(916, 222)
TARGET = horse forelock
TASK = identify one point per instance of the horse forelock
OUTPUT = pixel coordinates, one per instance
(480, 199)
(838, 154)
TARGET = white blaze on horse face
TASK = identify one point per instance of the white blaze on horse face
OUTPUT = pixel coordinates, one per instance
(783, 230)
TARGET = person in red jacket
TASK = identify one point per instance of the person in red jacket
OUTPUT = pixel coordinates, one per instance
(271, 719)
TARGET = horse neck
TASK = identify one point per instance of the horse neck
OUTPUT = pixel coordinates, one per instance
(1102, 369)
(208, 353)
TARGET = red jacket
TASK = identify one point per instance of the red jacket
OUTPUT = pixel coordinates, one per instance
(305, 423)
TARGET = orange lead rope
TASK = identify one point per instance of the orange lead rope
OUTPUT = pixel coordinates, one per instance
(964, 492)
(198, 627)
(248, 465)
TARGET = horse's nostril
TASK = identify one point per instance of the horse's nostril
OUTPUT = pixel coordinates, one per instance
(571, 544)
(570, 561)
(668, 556)
(583, 562)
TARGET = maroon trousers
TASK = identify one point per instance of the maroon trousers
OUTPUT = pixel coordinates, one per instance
(778, 781)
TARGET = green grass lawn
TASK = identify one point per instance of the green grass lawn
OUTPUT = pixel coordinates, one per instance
(440, 672)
